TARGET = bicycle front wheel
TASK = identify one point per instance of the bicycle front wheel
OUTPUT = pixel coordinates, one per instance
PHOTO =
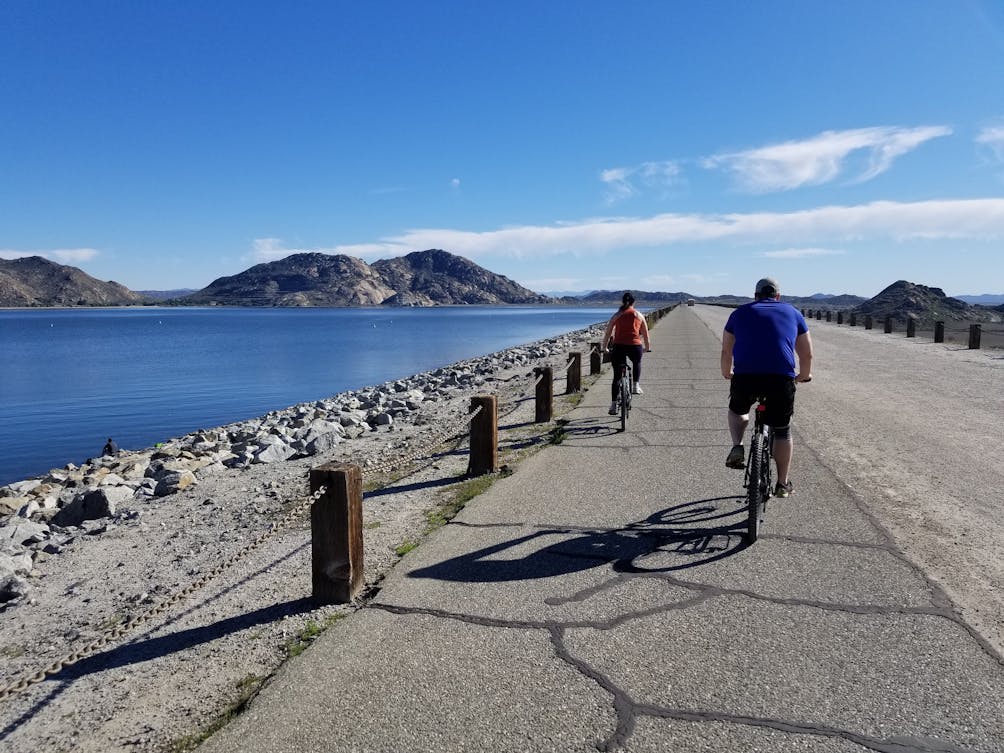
(754, 487)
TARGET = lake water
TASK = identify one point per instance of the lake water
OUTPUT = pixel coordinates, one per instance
(69, 379)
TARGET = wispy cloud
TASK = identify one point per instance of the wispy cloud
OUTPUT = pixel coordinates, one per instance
(993, 138)
(821, 159)
(801, 253)
(61, 255)
(805, 233)
(624, 182)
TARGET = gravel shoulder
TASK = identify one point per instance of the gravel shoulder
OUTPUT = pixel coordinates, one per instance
(162, 685)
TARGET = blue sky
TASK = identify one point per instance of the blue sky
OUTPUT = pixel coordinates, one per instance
(694, 146)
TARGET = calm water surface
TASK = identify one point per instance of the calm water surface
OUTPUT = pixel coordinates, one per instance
(69, 379)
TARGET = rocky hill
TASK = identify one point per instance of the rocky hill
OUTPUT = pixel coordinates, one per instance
(907, 300)
(422, 278)
(35, 281)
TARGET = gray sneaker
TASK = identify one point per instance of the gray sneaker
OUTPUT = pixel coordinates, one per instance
(783, 490)
(736, 458)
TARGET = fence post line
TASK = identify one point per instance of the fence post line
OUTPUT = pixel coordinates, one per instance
(573, 376)
(975, 331)
(484, 456)
(595, 359)
(336, 533)
(888, 325)
(939, 332)
(911, 327)
(544, 406)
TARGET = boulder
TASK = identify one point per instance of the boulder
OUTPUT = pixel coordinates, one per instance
(92, 505)
(12, 587)
(173, 481)
(23, 533)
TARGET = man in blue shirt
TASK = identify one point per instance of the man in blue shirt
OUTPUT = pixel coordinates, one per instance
(759, 346)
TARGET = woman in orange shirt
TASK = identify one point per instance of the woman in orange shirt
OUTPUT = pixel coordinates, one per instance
(627, 331)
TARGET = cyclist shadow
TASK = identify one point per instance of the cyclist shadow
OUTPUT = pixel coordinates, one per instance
(685, 536)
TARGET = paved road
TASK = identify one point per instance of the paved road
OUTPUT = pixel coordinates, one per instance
(600, 598)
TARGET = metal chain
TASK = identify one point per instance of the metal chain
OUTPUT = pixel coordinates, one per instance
(132, 623)
(451, 430)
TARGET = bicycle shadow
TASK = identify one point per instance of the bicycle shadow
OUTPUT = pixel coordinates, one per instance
(685, 536)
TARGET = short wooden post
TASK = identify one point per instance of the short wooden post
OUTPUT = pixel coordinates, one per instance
(829, 316)
(911, 327)
(853, 321)
(336, 531)
(975, 330)
(840, 317)
(868, 321)
(573, 378)
(595, 358)
(939, 332)
(544, 407)
(888, 325)
(484, 436)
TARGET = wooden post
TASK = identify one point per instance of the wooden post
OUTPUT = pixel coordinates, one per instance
(573, 376)
(595, 358)
(336, 531)
(853, 320)
(868, 321)
(544, 407)
(975, 331)
(484, 436)
(840, 317)
(911, 327)
(829, 316)
(888, 325)
(939, 332)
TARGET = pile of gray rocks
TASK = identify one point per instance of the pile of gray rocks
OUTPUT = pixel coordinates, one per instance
(41, 515)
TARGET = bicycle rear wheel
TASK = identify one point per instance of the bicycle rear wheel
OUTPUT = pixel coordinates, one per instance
(625, 401)
(755, 487)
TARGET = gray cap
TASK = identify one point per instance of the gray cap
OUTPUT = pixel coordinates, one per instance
(768, 282)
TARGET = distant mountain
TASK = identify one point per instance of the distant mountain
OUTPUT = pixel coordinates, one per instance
(35, 281)
(164, 295)
(983, 300)
(421, 278)
(906, 300)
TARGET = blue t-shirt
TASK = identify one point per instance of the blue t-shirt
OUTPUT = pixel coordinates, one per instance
(765, 333)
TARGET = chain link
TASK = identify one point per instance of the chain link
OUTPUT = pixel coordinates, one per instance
(127, 626)
(452, 430)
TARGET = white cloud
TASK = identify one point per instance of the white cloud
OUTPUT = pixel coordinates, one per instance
(801, 253)
(554, 283)
(993, 137)
(936, 219)
(808, 230)
(69, 256)
(821, 159)
(624, 182)
(455, 183)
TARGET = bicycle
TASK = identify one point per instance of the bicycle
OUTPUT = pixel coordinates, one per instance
(624, 394)
(757, 478)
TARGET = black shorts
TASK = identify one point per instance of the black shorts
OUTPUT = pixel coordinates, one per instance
(778, 389)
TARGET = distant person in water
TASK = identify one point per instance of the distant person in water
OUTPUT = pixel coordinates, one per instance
(110, 447)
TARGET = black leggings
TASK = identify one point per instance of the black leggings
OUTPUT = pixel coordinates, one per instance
(619, 354)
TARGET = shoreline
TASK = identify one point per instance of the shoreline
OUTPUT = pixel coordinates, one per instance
(186, 512)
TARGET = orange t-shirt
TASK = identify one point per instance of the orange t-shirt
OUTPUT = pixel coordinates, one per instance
(627, 328)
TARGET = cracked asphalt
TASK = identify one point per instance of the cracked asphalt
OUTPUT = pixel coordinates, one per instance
(601, 598)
